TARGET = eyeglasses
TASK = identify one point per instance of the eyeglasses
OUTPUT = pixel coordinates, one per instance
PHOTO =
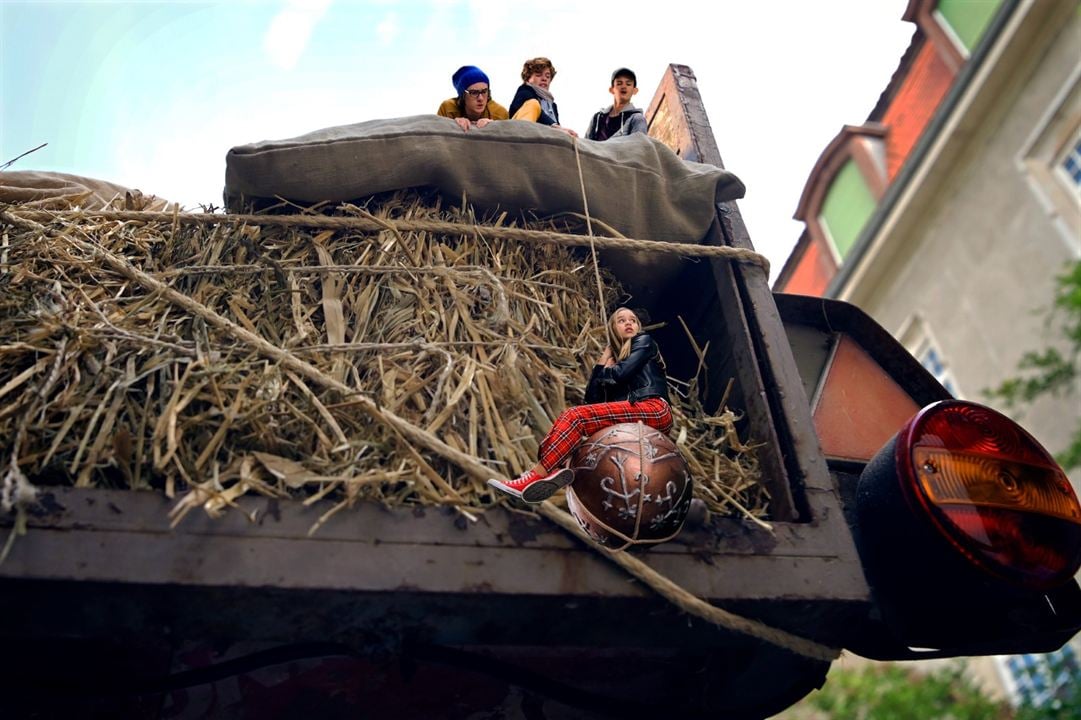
(477, 93)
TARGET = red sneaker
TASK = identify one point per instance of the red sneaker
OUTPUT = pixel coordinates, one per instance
(534, 488)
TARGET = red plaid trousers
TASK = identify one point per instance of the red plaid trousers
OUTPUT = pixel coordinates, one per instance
(580, 421)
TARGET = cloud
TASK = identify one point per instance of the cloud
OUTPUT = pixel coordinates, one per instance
(387, 29)
(490, 21)
(290, 30)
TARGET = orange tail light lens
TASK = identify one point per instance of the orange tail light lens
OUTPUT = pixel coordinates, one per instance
(993, 492)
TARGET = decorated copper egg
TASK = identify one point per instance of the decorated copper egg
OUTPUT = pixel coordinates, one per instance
(631, 486)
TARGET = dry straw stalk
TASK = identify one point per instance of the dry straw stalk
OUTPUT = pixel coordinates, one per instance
(348, 363)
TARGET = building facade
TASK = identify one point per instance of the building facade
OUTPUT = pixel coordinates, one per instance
(949, 213)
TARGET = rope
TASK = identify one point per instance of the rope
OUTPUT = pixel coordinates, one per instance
(433, 226)
(660, 584)
(687, 602)
(592, 240)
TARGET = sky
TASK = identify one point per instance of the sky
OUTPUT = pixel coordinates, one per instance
(151, 95)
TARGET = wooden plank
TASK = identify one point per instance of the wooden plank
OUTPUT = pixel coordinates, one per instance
(147, 512)
(795, 470)
(124, 537)
(756, 394)
(231, 562)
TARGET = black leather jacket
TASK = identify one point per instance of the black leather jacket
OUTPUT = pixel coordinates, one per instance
(636, 377)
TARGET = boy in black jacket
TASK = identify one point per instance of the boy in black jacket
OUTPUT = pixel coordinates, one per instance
(621, 117)
(534, 101)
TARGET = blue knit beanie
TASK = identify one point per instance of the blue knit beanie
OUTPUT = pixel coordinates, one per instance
(468, 75)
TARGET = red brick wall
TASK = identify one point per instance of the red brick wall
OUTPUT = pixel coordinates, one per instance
(911, 109)
(813, 273)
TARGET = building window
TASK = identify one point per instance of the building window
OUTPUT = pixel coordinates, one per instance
(1036, 680)
(931, 359)
(966, 21)
(847, 207)
(917, 339)
(1069, 166)
(1050, 160)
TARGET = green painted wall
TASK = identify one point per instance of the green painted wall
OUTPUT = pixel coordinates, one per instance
(968, 18)
(847, 207)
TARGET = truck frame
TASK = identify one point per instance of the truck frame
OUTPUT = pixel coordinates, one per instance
(417, 613)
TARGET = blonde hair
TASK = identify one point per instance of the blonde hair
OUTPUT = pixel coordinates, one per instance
(537, 65)
(620, 348)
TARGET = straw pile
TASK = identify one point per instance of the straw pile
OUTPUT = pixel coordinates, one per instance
(105, 381)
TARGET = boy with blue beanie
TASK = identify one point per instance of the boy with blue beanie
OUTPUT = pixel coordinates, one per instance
(473, 104)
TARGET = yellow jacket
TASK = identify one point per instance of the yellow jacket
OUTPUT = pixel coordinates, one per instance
(493, 111)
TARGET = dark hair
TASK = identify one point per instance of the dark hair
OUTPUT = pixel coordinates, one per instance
(625, 73)
(461, 101)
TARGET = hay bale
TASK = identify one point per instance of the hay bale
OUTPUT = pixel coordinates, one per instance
(477, 340)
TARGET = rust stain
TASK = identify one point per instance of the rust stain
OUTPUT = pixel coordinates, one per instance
(45, 506)
(570, 573)
(524, 531)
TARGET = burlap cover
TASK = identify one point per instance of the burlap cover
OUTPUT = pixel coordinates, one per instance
(61, 191)
(635, 184)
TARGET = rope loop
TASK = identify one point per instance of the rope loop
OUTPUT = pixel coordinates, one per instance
(362, 224)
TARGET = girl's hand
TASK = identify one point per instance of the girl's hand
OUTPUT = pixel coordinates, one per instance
(482, 122)
(606, 358)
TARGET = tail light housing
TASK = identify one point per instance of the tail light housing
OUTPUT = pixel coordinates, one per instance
(992, 492)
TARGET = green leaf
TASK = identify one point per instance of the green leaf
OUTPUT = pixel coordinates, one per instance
(1053, 370)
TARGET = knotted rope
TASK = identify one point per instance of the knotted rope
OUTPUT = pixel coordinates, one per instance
(403, 225)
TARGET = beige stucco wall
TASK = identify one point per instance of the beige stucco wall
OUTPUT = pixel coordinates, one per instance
(976, 258)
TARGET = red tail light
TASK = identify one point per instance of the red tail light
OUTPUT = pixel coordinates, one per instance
(993, 492)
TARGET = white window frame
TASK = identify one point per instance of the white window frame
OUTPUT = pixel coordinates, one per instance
(1041, 156)
(917, 338)
(1071, 149)
(830, 243)
(950, 33)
